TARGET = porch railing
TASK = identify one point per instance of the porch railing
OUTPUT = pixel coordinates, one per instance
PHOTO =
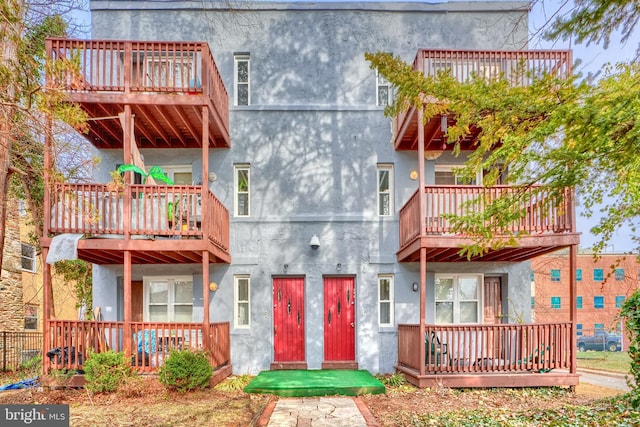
(141, 67)
(73, 341)
(154, 210)
(486, 348)
(536, 211)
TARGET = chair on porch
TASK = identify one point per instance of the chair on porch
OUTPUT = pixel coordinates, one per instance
(435, 351)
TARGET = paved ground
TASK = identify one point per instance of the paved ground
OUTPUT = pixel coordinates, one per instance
(351, 412)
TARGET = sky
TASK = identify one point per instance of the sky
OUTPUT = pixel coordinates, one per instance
(591, 60)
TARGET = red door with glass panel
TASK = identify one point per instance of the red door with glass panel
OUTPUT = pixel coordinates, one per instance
(339, 326)
(288, 319)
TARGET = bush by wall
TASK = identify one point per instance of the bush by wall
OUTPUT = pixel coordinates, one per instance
(186, 370)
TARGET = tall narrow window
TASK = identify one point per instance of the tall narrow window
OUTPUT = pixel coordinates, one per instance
(619, 300)
(28, 258)
(30, 316)
(242, 80)
(556, 302)
(385, 300)
(241, 302)
(598, 274)
(579, 302)
(458, 299)
(578, 275)
(619, 274)
(555, 275)
(598, 301)
(578, 329)
(242, 185)
(385, 190)
(383, 91)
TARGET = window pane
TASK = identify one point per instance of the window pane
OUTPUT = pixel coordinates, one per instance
(444, 289)
(385, 313)
(468, 288)
(445, 178)
(183, 313)
(619, 273)
(444, 312)
(384, 208)
(184, 292)
(555, 275)
(598, 275)
(383, 95)
(182, 178)
(578, 275)
(578, 302)
(383, 180)
(469, 312)
(243, 290)
(158, 292)
(243, 314)
(243, 71)
(243, 204)
(385, 290)
(598, 301)
(158, 313)
(243, 94)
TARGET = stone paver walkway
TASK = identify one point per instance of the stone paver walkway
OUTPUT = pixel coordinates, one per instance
(317, 412)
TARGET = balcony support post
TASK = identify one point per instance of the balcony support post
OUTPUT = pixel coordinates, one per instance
(423, 250)
(46, 310)
(205, 222)
(206, 321)
(127, 303)
(573, 312)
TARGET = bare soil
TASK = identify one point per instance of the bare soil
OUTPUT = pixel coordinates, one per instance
(148, 403)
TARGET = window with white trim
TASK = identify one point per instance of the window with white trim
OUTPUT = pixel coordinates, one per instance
(383, 91)
(448, 175)
(28, 258)
(179, 174)
(241, 73)
(173, 70)
(457, 298)
(241, 301)
(241, 179)
(168, 299)
(385, 190)
(385, 300)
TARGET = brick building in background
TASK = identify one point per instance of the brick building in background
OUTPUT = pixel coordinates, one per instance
(603, 285)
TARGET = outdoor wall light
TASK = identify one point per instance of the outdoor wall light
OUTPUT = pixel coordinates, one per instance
(338, 267)
(413, 175)
(415, 286)
(213, 286)
(212, 177)
(315, 242)
(285, 267)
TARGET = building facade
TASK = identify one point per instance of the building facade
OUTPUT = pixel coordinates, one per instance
(603, 283)
(319, 271)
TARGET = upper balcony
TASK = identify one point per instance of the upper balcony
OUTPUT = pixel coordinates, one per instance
(171, 87)
(157, 224)
(545, 223)
(518, 67)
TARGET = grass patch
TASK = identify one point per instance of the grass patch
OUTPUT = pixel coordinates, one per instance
(617, 361)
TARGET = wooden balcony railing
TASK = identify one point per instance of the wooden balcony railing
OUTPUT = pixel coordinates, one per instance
(152, 210)
(141, 67)
(536, 211)
(150, 341)
(519, 68)
(487, 348)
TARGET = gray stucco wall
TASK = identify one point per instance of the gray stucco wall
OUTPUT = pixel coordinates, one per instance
(313, 137)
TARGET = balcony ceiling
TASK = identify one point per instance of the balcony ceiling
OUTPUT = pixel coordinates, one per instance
(161, 121)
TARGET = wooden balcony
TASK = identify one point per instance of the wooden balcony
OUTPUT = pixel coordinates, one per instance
(170, 87)
(545, 224)
(158, 224)
(513, 355)
(518, 67)
(146, 343)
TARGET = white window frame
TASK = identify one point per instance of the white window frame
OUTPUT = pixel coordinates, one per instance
(171, 170)
(382, 167)
(381, 279)
(380, 83)
(179, 74)
(237, 58)
(236, 170)
(456, 297)
(171, 280)
(452, 169)
(32, 259)
(236, 301)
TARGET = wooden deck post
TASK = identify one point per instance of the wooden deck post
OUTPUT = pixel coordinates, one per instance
(205, 301)
(573, 312)
(127, 303)
(46, 310)
(423, 250)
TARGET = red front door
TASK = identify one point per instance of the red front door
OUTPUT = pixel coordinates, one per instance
(288, 319)
(339, 326)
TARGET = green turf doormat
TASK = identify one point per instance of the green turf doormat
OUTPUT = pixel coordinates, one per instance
(302, 383)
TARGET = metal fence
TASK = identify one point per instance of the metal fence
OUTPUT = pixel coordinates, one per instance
(19, 347)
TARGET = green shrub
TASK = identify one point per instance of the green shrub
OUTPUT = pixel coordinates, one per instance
(104, 372)
(234, 383)
(186, 370)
